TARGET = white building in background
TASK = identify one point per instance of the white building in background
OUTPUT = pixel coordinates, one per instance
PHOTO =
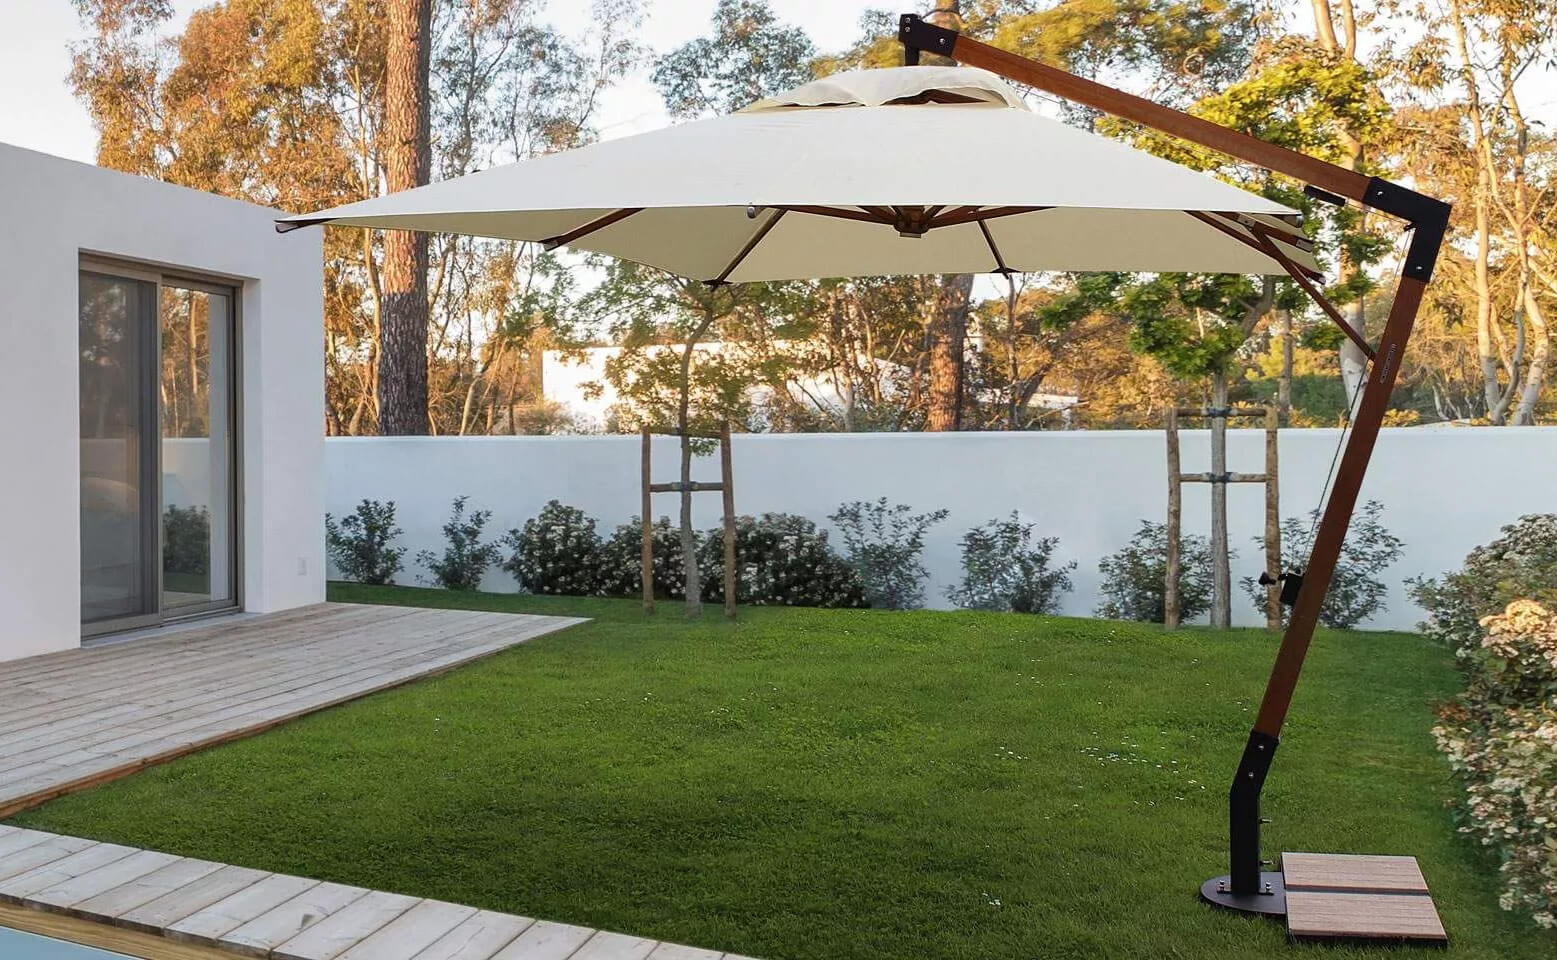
(575, 382)
(164, 383)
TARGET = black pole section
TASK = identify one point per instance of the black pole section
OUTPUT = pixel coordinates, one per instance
(1243, 813)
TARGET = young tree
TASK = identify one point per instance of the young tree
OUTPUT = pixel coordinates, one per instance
(646, 308)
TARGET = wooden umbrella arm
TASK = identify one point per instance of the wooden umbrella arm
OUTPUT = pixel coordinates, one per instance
(1428, 220)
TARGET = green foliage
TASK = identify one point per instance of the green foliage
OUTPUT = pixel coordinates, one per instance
(557, 551)
(780, 560)
(1135, 577)
(1316, 398)
(883, 544)
(186, 541)
(1004, 568)
(1520, 564)
(749, 56)
(1500, 736)
(465, 558)
(1355, 594)
(361, 545)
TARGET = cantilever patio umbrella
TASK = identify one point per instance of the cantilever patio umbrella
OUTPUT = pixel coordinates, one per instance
(941, 170)
(911, 170)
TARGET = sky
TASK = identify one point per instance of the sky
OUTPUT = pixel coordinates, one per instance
(38, 111)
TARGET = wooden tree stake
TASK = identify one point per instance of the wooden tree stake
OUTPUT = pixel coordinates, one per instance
(646, 554)
(1170, 587)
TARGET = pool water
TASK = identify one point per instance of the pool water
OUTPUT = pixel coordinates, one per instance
(16, 945)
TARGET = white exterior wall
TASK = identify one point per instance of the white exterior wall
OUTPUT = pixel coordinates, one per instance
(1444, 490)
(57, 210)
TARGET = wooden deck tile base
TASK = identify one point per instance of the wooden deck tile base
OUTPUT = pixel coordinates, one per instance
(1335, 896)
(165, 907)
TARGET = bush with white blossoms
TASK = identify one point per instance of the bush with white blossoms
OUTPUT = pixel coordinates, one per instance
(1520, 564)
(557, 552)
(1500, 736)
(780, 560)
(621, 573)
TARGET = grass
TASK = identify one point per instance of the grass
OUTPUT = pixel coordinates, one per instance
(839, 784)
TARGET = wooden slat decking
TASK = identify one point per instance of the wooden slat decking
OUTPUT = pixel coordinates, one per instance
(122, 892)
(72, 720)
(1349, 897)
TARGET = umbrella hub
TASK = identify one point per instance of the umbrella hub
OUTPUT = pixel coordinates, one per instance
(883, 86)
(911, 221)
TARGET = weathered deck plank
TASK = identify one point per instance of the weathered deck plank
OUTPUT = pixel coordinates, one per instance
(409, 934)
(238, 911)
(72, 720)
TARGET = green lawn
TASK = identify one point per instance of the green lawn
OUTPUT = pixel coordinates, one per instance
(838, 784)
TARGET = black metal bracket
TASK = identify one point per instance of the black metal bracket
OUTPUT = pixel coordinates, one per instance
(918, 36)
(1427, 216)
(1291, 582)
(1243, 813)
(1324, 196)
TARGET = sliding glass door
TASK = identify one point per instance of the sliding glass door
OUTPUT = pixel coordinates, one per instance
(158, 530)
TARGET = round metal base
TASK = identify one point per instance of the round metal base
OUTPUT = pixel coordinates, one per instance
(1271, 900)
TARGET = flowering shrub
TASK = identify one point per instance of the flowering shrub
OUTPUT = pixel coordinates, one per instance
(780, 560)
(465, 558)
(558, 552)
(1135, 578)
(360, 545)
(1522, 563)
(1355, 594)
(620, 570)
(1003, 568)
(1500, 736)
(884, 543)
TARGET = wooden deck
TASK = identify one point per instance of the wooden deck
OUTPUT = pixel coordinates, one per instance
(72, 720)
(154, 904)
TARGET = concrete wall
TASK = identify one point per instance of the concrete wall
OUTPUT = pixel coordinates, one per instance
(1444, 490)
(55, 211)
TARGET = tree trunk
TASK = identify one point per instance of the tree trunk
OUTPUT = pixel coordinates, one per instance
(1353, 362)
(1221, 574)
(1284, 380)
(402, 361)
(694, 579)
(1540, 356)
(948, 336)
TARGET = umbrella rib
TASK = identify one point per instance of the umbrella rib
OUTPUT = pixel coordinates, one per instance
(615, 216)
(1000, 262)
(1318, 297)
(1291, 237)
(1264, 244)
(980, 214)
(1248, 240)
(842, 213)
(756, 238)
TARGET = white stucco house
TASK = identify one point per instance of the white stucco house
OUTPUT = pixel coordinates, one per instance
(163, 387)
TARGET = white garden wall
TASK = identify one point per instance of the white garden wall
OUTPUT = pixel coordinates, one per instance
(1445, 489)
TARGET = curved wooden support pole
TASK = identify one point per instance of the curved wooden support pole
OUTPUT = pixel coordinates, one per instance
(1427, 218)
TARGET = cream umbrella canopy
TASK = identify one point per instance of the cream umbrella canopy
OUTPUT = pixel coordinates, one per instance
(846, 176)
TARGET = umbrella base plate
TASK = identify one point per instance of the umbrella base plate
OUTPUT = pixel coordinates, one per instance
(1271, 901)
